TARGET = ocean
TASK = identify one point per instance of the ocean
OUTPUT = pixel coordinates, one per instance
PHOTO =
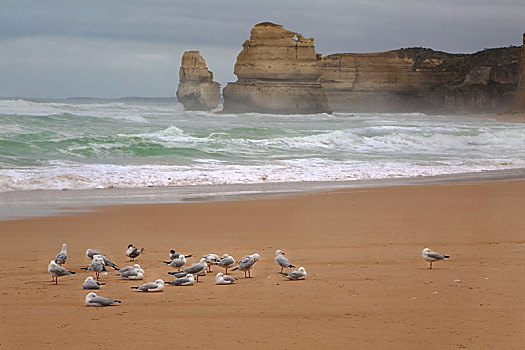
(73, 145)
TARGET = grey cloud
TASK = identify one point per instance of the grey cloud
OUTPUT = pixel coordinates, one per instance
(80, 45)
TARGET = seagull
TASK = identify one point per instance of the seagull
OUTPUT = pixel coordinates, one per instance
(156, 286)
(90, 283)
(224, 279)
(174, 255)
(90, 253)
(210, 260)
(197, 269)
(92, 299)
(133, 252)
(56, 271)
(282, 260)
(178, 274)
(134, 272)
(97, 265)
(429, 256)
(247, 263)
(296, 275)
(61, 257)
(226, 261)
(188, 280)
(177, 262)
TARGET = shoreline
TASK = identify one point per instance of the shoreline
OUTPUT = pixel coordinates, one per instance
(366, 286)
(15, 205)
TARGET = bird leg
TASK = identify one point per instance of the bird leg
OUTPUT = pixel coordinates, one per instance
(249, 273)
(56, 280)
(281, 269)
(226, 271)
(431, 266)
(96, 273)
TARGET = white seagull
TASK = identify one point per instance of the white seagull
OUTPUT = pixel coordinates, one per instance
(90, 253)
(281, 260)
(61, 257)
(156, 286)
(134, 272)
(177, 263)
(224, 279)
(246, 264)
(90, 283)
(299, 274)
(188, 280)
(210, 260)
(429, 256)
(56, 271)
(92, 299)
(226, 261)
(97, 265)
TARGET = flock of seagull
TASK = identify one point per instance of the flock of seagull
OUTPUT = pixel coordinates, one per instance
(184, 276)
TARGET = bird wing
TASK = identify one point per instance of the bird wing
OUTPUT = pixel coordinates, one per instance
(282, 260)
(246, 262)
(435, 255)
(102, 301)
(229, 278)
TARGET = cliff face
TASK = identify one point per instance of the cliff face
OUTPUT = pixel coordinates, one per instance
(421, 80)
(197, 91)
(277, 72)
(518, 105)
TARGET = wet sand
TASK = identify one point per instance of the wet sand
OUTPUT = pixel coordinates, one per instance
(367, 286)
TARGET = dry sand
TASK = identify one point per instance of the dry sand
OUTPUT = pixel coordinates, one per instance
(367, 286)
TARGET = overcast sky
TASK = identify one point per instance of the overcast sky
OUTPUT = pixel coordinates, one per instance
(114, 48)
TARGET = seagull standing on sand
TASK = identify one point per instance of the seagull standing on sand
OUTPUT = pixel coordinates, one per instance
(224, 279)
(247, 263)
(134, 272)
(210, 260)
(61, 257)
(197, 269)
(97, 265)
(429, 256)
(90, 253)
(56, 271)
(157, 286)
(281, 260)
(92, 299)
(226, 261)
(188, 280)
(90, 283)
(177, 262)
(175, 255)
(133, 252)
(299, 274)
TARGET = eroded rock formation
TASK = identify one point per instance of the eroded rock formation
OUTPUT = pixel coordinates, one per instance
(421, 80)
(277, 72)
(197, 91)
(518, 105)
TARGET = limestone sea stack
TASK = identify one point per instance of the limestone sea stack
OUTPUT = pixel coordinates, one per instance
(277, 72)
(518, 105)
(197, 91)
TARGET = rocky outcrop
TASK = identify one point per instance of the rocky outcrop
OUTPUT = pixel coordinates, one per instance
(518, 105)
(421, 80)
(197, 91)
(277, 72)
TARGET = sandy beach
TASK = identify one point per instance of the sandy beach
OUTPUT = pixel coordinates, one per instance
(367, 286)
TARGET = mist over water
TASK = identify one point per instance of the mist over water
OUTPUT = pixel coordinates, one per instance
(110, 144)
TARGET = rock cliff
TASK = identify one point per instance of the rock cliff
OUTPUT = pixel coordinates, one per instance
(518, 105)
(421, 80)
(277, 72)
(197, 91)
